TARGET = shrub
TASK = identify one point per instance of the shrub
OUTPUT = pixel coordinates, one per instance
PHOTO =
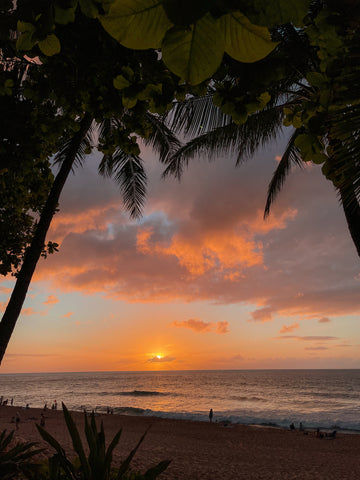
(98, 464)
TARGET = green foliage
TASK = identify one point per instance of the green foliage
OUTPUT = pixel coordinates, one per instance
(14, 460)
(192, 48)
(245, 41)
(97, 465)
(194, 53)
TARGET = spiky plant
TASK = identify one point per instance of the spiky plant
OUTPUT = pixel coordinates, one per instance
(97, 465)
(14, 460)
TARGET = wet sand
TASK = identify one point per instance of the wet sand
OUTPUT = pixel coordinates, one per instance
(205, 451)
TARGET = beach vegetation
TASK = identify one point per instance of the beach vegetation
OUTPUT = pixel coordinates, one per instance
(15, 460)
(97, 464)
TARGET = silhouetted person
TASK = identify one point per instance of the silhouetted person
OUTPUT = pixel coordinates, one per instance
(211, 414)
(17, 420)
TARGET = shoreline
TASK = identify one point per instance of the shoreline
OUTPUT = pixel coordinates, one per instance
(203, 450)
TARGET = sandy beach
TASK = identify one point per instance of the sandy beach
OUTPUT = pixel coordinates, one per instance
(205, 451)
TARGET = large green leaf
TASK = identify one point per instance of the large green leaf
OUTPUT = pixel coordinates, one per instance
(243, 40)
(194, 53)
(137, 24)
(50, 45)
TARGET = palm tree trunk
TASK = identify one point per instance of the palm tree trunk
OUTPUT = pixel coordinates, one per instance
(352, 213)
(35, 249)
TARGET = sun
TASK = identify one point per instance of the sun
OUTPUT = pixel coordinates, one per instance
(159, 357)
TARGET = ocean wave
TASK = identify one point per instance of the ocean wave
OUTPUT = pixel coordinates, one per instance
(141, 393)
(229, 418)
(248, 399)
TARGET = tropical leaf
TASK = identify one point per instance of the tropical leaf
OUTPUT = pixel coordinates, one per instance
(152, 473)
(126, 463)
(128, 172)
(290, 156)
(76, 441)
(50, 45)
(194, 53)
(161, 138)
(196, 115)
(137, 24)
(243, 40)
(77, 145)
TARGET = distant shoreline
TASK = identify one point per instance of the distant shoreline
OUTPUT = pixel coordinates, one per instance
(205, 451)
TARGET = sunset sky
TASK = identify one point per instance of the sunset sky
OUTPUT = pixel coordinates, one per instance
(201, 282)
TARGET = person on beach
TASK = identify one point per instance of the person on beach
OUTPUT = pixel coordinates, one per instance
(211, 414)
(42, 420)
(17, 420)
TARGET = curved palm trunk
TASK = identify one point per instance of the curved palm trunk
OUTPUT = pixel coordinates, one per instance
(33, 253)
(352, 213)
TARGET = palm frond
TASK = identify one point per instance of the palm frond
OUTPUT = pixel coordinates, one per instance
(162, 139)
(128, 171)
(76, 145)
(243, 140)
(213, 143)
(196, 115)
(290, 156)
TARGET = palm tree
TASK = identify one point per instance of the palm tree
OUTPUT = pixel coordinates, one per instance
(74, 80)
(283, 75)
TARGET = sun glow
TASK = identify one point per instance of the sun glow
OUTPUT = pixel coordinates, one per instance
(159, 357)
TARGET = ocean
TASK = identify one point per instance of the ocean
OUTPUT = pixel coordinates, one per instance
(328, 399)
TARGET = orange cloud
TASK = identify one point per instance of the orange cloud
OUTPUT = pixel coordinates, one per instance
(200, 326)
(324, 320)
(31, 311)
(262, 315)
(5, 290)
(216, 251)
(51, 300)
(96, 218)
(289, 328)
(308, 338)
(68, 314)
(222, 327)
(195, 325)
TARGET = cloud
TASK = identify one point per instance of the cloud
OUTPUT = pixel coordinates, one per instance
(204, 240)
(16, 355)
(195, 325)
(222, 327)
(316, 348)
(161, 359)
(289, 328)
(31, 311)
(200, 326)
(51, 300)
(324, 320)
(68, 314)
(5, 290)
(308, 338)
(262, 315)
